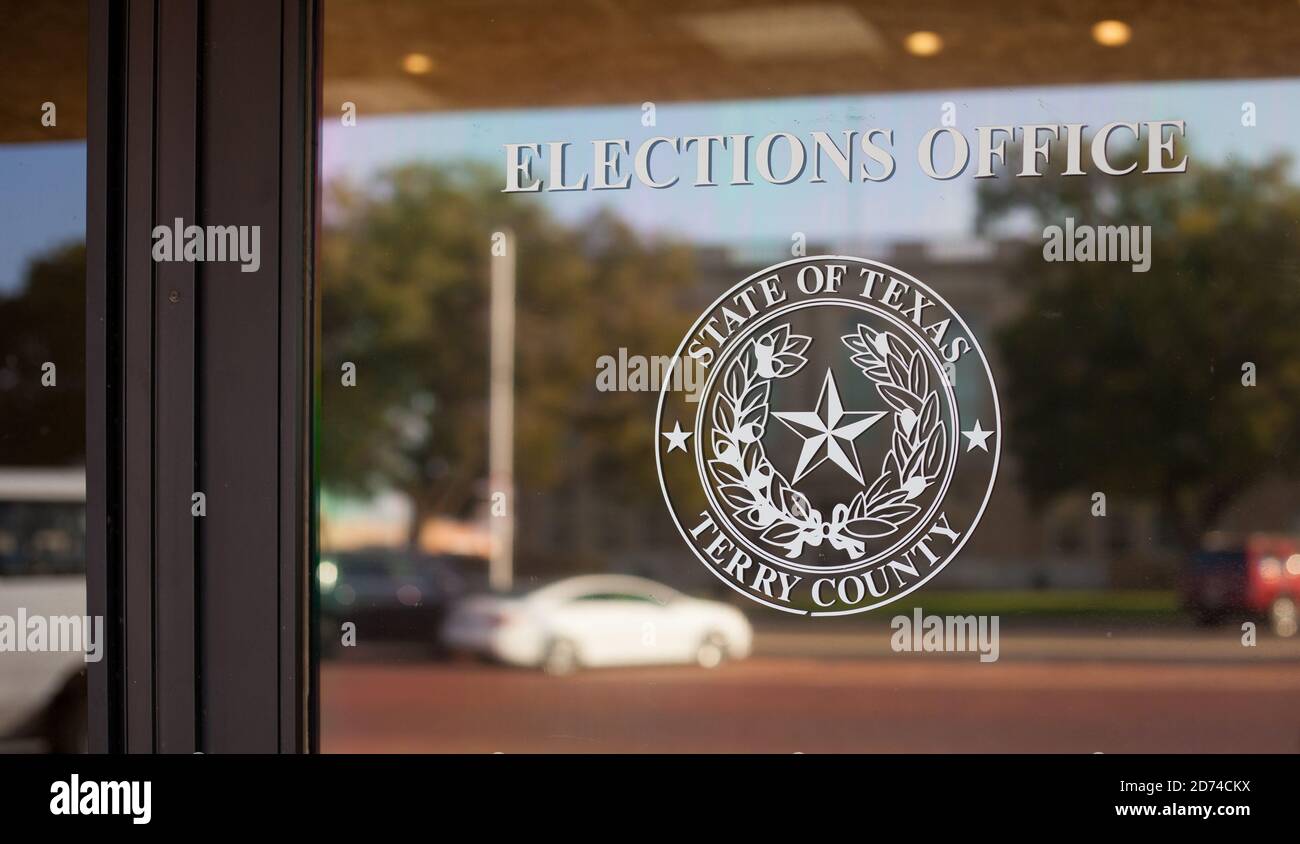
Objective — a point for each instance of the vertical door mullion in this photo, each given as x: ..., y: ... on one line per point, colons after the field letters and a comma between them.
x: 174, y: 363
x: 299, y: 154
x: 104, y: 215
x: 138, y: 339
x: 207, y: 115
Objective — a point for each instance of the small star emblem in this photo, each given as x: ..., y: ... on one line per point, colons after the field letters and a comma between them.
x: 977, y: 438
x: 677, y: 437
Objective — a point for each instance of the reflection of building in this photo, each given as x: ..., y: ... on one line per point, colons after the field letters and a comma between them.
x: 385, y: 522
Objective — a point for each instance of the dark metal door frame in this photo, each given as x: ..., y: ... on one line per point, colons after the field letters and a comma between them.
x: 199, y: 375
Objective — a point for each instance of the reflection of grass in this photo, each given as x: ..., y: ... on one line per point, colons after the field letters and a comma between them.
x: 1136, y: 605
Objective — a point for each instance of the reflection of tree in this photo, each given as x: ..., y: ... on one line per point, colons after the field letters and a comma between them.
x: 404, y: 273
x: 46, y: 321
x: 1131, y: 382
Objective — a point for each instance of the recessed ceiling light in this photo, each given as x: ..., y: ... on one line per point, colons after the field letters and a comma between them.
x: 778, y: 32
x: 417, y: 64
x: 923, y: 43
x: 1111, y: 33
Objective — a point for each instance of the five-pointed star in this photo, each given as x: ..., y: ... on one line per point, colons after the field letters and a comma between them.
x: 977, y: 438
x: 827, y: 431
x: 677, y: 437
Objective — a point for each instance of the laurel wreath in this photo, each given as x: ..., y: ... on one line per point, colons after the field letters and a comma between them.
x: 761, y: 498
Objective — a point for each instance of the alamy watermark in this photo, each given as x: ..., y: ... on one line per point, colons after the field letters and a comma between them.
x: 180, y: 242
x: 946, y: 634
x: 75, y: 796
x: 625, y: 373
x: 23, y: 633
x: 1131, y: 244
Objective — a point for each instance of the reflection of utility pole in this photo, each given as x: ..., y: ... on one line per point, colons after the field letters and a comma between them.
x: 501, y: 413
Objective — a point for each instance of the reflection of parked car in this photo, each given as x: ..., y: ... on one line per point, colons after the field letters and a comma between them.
x: 390, y: 595
x: 42, y: 572
x: 598, y: 620
x: 1259, y: 577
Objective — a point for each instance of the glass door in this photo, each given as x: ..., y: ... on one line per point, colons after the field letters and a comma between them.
x: 46, y: 636
x: 809, y: 377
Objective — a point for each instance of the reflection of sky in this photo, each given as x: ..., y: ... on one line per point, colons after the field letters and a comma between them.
x: 42, y: 199
x: 42, y: 203
x: 908, y: 206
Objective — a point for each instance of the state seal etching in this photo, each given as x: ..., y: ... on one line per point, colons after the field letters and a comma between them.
x: 844, y: 443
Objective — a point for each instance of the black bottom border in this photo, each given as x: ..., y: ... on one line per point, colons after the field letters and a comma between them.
x: 618, y: 794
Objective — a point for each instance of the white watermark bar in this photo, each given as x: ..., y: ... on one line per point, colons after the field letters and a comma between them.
x: 75, y: 796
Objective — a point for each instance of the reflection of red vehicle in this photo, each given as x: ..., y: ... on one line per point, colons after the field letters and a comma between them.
x: 1261, y: 578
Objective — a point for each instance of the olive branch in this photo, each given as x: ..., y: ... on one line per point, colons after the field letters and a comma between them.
x: 761, y: 497
x: 919, y: 443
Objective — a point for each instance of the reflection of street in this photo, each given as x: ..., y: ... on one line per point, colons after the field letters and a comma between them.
x: 1059, y: 692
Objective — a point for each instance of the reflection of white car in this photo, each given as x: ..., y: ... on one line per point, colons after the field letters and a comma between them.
x: 42, y: 573
x: 598, y: 620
